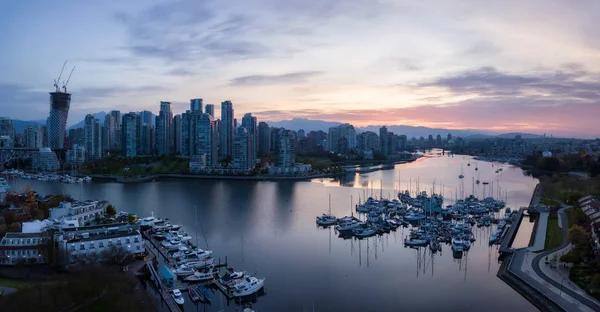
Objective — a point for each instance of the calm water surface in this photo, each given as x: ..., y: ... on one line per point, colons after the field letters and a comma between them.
x: 268, y: 228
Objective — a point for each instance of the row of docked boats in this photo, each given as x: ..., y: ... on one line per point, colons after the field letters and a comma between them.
x: 47, y: 177
x: 430, y: 223
x: 193, y: 264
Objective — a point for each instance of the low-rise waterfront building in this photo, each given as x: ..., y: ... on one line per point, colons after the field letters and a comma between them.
x: 24, y: 248
x: 99, y: 242
x: 82, y: 212
x: 45, y: 160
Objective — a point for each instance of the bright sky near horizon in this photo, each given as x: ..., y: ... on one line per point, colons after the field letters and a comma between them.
x: 531, y: 66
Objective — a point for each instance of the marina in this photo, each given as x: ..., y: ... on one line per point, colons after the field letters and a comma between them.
x: 269, y: 228
x: 189, y: 269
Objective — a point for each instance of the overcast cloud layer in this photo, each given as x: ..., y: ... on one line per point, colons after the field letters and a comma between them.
x: 502, y: 66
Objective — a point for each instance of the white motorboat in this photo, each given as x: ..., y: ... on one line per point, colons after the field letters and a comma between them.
x: 194, y: 253
x: 349, y: 226
x: 200, y: 263
x: 170, y: 243
x: 326, y: 220
x: 176, y: 294
x: 184, y: 270
x: 148, y: 221
x: 202, y: 275
x: 249, y: 286
x: 457, y: 244
x: 232, y: 278
x: 363, y: 232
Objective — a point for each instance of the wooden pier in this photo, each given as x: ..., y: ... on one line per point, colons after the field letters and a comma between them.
x: 512, y: 232
x: 164, y: 291
x: 223, y: 289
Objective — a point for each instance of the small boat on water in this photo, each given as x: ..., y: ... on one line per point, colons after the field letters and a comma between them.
x: 202, y: 275
x: 415, y: 242
x: 183, y: 270
x: 326, y: 220
x: 176, y: 294
x: 249, y: 286
x: 194, y: 295
x: 363, y: 232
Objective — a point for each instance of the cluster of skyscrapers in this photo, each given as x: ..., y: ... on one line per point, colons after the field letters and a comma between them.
x: 209, y: 142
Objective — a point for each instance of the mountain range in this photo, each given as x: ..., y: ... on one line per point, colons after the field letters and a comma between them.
x: 315, y: 125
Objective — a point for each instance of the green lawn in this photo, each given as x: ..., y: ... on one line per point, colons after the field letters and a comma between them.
x: 553, y: 232
x: 13, y: 283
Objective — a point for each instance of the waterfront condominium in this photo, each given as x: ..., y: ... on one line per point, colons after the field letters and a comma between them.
x: 164, y: 129
x: 205, y: 141
x: 57, y: 121
x: 93, y: 137
x: 242, y: 152
x: 249, y: 122
x: 117, y: 135
x: 131, y: 134
x: 264, y: 138
x: 227, y: 126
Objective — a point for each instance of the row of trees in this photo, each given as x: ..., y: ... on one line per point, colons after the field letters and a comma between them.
x: 572, y: 162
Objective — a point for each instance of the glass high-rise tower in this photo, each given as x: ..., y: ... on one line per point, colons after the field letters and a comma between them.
x: 57, y: 121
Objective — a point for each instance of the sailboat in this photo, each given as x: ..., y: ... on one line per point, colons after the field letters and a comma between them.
x: 461, y: 176
x: 327, y: 219
x: 477, y: 182
x: 476, y: 168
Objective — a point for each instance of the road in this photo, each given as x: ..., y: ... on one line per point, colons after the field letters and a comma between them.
x: 536, y: 265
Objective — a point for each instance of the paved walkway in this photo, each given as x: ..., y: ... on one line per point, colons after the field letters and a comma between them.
x: 540, y: 234
x: 7, y: 290
x: 554, y: 278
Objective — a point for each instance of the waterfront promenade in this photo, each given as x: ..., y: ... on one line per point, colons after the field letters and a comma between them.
x: 547, y: 278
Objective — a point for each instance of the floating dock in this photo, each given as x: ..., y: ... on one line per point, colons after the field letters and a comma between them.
x: 512, y: 232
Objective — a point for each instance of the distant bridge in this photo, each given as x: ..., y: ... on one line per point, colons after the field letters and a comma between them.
x: 8, y: 154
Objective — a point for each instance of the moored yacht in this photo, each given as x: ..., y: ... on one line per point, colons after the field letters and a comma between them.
x: 326, y: 220
x: 202, y: 275
x: 349, y: 226
x: 249, y: 286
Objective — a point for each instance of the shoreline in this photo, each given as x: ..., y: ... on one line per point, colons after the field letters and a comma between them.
x: 164, y: 176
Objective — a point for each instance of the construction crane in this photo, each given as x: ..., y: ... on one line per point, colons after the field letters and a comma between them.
x: 57, y: 80
x: 66, y: 83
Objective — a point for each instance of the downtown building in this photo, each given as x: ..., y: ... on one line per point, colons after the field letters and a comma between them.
x: 116, y: 134
x: 243, y: 160
x: 227, y: 129
x: 342, y: 139
x: 164, y: 129
x: 7, y: 132
x: 264, y: 139
x: 93, y: 138
x: 250, y: 123
x: 56, y: 124
x: 34, y: 137
x: 284, y: 152
x: 131, y: 135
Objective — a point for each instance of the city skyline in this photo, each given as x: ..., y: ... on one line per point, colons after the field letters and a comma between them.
x: 455, y: 66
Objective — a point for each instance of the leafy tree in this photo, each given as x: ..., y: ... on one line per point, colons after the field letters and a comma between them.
x: 131, y: 219
x: 578, y: 235
x: 110, y: 210
x: 571, y: 257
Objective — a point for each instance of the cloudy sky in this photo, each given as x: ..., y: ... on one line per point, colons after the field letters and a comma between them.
x: 497, y: 65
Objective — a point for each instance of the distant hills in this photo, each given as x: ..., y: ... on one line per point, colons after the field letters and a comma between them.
x: 410, y: 131
x: 80, y: 124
